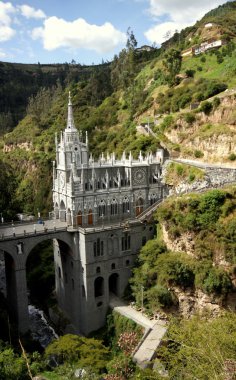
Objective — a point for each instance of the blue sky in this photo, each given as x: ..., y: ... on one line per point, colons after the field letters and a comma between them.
x: 88, y: 31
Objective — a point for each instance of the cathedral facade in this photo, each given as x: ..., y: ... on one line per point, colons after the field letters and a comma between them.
x: 101, y: 200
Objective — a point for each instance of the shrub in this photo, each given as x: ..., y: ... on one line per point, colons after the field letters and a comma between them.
x: 232, y: 157
x: 189, y: 117
x: 217, y: 281
x: 159, y: 296
x: 198, y: 153
x: 190, y: 73
x: 203, y: 59
x: 216, y: 102
x: 206, y: 107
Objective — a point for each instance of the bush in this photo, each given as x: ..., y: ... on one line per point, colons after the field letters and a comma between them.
x: 216, y: 102
x: 206, y: 107
x: 217, y: 281
x: 198, y: 153
x: 232, y: 157
x: 190, y: 73
x: 189, y: 117
x: 159, y: 296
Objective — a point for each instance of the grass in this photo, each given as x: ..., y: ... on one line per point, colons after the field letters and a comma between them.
x: 177, y: 173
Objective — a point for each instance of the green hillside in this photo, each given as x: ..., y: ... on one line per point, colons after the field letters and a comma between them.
x: 109, y: 101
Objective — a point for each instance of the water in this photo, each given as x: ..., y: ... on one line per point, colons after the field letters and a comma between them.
x: 41, y: 331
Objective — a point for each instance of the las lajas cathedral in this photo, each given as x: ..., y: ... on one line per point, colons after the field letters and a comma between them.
x: 102, y: 202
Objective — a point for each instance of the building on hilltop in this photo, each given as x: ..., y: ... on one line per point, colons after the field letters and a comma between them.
x: 101, y: 201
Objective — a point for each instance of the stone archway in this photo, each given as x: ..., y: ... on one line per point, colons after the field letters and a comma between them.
x: 15, y: 256
x: 98, y: 287
x: 114, y: 284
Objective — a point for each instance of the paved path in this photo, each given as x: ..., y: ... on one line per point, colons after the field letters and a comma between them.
x: 154, y: 331
x: 18, y: 229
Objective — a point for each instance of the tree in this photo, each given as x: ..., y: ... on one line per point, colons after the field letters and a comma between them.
x: 172, y: 62
x: 76, y: 349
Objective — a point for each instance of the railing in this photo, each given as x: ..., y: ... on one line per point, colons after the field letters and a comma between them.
x: 28, y: 233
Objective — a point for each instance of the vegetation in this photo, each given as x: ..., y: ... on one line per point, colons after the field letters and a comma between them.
x: 109, y: 101
x: 177, y: 173
x: 201, y: 348
x: 210, y: 219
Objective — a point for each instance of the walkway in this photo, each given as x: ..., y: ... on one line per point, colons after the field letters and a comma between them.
x: 9, y: 231
x: 154, y: 331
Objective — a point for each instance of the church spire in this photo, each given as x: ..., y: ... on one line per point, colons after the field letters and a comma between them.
x: 70, y: 118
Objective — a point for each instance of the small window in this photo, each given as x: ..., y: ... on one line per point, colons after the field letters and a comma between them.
x: 98, y: 270
x: 59, y: 272
x: 72, y: 284
x: 71, y: 264
x: 113, y: 266
x: 99, y: 304
x: 127, y: 263
x: 66, y: 280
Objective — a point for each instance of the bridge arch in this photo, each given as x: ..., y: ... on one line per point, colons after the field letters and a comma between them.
x: 16, y: 253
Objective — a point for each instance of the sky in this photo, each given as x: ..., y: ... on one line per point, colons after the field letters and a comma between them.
x: 89, y: 31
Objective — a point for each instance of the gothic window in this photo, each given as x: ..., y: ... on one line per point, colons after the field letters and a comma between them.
x: 126, y: 205
x: 102, y: 208
x: 114, y: 207
x: 90, y: 217
x: 79, y: 218
x: 125, y: 242
x: 153, y: 199
x: 139, y: 206
x: 98, y: 248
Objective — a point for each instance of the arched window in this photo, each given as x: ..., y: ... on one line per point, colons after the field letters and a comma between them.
x: 98, y: 270
x: 102, y: 208
x: 98, y: 287
x: 153, y: 199
x: 79, y: 218
x: 90, y: 217
x: 114, y: 207
x: 139, y: 206
x: 113, y: 266
x: 126, y: 205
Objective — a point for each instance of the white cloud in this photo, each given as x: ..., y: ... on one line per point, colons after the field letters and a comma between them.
x: 6, y: 31
x: 58, y: 33
x: 159, y: 32
x: 30, y: 12
x: 179, y: 13
x: 2, y: 54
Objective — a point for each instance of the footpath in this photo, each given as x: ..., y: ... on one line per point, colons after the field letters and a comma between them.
x: 154, y: 331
